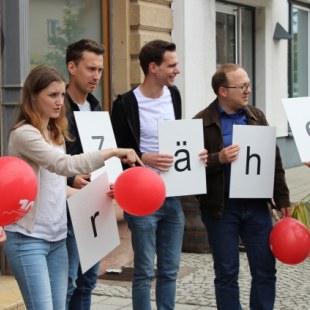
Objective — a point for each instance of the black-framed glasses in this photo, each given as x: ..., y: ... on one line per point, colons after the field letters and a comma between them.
x: 243, y: 88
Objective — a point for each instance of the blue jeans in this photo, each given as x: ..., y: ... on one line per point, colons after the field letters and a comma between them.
x: 250, y: 219
x: 41, y: 270
x: 80, y: 285
x: 161, y: 234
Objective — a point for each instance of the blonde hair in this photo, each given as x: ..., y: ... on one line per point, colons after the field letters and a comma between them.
x: 38, y: 79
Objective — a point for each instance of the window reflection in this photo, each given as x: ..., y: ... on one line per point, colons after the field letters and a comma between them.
x: 235, y: 44
x: 55, y: 24
x: 300, y: 52
x: 52, y: 30
x: 225, y: 38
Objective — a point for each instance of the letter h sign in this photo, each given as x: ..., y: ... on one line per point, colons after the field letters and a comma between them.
x: 252, y: 174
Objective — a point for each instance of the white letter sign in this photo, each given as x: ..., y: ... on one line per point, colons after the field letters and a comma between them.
x: 94, y: 221
x: 252, y: 174
x: 184, y: 140
x: 96, y: 133
x: 298, y: 114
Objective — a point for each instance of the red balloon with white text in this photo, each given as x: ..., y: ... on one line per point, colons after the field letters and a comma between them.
x: 18, y: 189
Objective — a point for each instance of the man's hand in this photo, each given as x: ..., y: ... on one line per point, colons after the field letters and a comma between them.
x: 159, y: 161
x: 203, y: 155
x: 71, y: 191
x: 110, y: 192
x: 81, y: 180
x: 286, y: 212
x: 229, y: 154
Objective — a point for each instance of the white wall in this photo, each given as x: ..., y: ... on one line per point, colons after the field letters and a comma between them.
x: 276, y: 65
x: 194, y: 34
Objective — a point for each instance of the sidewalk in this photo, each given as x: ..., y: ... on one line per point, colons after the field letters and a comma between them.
x: 195, y: 282
x: 195, y: 290
x: 195, y: 287
x: 298, y: 181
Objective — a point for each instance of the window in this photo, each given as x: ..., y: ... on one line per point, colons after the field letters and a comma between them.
x: 299, y: 76
x: 235, y: 38
x: 225, y: 38
x: 52, y: 26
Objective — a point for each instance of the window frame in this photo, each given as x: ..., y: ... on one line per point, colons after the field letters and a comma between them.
x: 306, y: 7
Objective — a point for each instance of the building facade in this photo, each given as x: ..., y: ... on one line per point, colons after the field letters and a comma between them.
x: 270, y: 38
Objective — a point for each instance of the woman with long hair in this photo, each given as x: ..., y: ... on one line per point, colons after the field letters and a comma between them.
x: 36, y: 244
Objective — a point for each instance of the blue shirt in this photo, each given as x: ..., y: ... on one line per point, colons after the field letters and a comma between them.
x: 227, y: 122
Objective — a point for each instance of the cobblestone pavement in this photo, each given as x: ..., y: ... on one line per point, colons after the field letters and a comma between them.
x: 195, y: 284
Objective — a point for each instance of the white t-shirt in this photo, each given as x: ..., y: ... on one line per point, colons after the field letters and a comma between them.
x: 150, y: 112
x: 51, y: 217
x: 85, y: 106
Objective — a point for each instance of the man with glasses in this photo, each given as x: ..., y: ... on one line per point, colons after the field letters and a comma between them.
x: 228, y: 219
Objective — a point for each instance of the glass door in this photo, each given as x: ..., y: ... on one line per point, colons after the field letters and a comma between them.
x: 53, y: 25
x: 235, y: 37
x: 300, y: 84
x: 226, y: 34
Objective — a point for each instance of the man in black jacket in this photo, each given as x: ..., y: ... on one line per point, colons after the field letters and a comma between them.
x: 84, y: 61
x: 135, y: 115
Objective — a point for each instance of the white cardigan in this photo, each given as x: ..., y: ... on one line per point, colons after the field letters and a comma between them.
x: 26, y: 142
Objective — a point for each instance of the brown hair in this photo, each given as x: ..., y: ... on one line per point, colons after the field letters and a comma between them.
x: 154, y: 51
x: 75, y: 50
x: 219, y: 78
x: 38, y: 79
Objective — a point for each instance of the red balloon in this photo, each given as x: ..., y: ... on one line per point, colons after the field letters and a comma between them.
x: 139, y: 191
x: 290, y: 241
x: 18, y: 189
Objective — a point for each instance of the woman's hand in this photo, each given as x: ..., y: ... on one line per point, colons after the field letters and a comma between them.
x: 129, y: 157
x: 2, y: 235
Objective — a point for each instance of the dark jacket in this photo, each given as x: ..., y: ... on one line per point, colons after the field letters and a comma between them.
x: 126, y: 122
x: 75, y: 147
x: 213, y: 201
